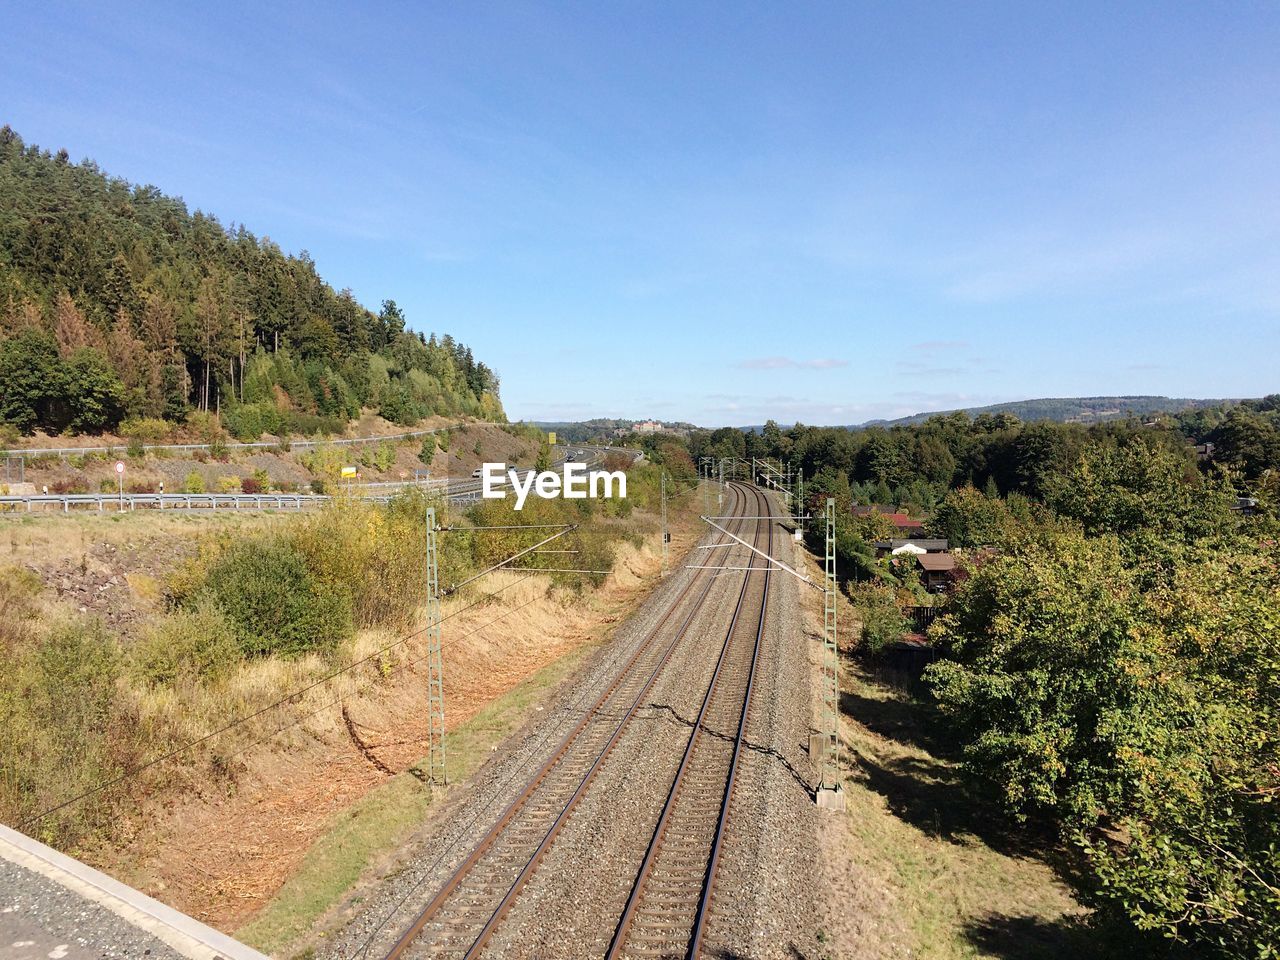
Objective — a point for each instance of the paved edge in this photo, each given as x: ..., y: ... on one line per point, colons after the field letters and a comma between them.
x: 188, y: 936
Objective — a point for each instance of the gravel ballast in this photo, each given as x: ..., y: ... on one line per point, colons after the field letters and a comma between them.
x: 570, y: 905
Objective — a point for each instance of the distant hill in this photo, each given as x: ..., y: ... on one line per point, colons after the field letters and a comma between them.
x: 1069, y: 409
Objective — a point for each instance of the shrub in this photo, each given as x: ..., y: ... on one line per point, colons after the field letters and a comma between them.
x: 372, y: 556
x: 883, y: 622
x: 59, y: 700
x: 190, y: 645
x: 228, y: 484
x: 250, y: 421
x: 147, y: 430
x: 193, y: 483
x: 260, y: 482
x: 269, y: 596
x: 428, y: 451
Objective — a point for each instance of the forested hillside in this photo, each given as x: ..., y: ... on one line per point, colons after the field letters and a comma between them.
x: 1071, y: 409
x: 118, y: 303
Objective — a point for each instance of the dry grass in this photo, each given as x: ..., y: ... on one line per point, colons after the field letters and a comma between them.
x: 44, y: 540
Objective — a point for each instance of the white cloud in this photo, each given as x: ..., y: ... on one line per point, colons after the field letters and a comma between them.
x: 786, y: 363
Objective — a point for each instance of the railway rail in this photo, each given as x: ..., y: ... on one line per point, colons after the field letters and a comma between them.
x: 467, y: 910
x: 667, y: 909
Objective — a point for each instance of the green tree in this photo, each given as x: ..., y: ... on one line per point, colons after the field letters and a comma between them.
x: 1248, y: 443
x: 1140, y: 488
x: 967, y: 518
x: 1142, y: 722
x: 95, y: 397
x: 31, y: 382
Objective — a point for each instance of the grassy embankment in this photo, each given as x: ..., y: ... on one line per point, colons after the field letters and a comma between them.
x: 223, y: 468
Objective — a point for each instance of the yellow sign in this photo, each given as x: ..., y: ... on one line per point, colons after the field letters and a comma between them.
x: 348, y: 472
x: 551, y: 437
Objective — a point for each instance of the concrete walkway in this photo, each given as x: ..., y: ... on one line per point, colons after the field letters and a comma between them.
x: 55, y: 907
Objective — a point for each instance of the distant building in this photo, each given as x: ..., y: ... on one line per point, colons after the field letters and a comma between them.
x: 648, y: 426
x: 900, y: 520
x: 920, y: 544
x: 905, y: 524
x: 937, y: 570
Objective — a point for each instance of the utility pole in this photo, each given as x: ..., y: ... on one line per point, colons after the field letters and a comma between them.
x: 665, y: 535
x: 800, y: 504
x: 720, y: 494
x: 829, y: 793
x: 436, y: 771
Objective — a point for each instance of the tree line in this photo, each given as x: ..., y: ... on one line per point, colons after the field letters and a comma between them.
x: 117, y: 302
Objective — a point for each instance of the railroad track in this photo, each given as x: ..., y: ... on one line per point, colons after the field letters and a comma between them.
x: 463, y: 915
x: 670, y: 900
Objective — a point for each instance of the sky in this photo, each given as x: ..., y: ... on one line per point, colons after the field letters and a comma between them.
x: 725, y: 212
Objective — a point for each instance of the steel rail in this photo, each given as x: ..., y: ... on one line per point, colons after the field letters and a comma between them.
x: 434, y: 908
x: 677, y: 792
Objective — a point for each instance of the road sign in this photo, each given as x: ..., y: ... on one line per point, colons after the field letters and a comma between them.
x: 119, y: 466
x: 551, y: 437
x: 348, y: 473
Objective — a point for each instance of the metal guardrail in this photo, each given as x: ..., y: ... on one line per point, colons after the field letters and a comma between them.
x: 161, y: 501
x: 456, y: 490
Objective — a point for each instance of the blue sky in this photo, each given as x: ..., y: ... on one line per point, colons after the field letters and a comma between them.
x: 725, y: 212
